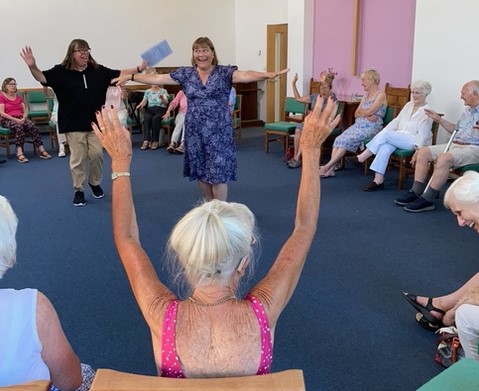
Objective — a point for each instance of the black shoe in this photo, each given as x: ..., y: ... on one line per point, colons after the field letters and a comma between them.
x: 407, y: 198
x: 97, y: 191
x: 3, y: 161
x: 420, y: 205
x: 354, y: 161
x: 79, y: 199
x: 373, y: 186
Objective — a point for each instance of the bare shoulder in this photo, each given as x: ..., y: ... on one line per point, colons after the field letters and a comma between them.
x: 45, y: 309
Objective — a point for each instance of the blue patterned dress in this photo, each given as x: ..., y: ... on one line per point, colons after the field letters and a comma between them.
x: 352, y: 138
x: 210, y: 149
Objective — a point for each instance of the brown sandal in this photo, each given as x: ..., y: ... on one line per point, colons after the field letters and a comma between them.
x: 22, y: 158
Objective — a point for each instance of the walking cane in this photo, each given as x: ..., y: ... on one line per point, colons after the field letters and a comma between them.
x: 448, y: 145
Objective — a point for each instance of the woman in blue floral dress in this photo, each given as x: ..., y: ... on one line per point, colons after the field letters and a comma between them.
x: 369, y: 121
x: 210, y: 150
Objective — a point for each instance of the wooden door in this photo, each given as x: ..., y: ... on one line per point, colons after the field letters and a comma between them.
x: 277, y: 59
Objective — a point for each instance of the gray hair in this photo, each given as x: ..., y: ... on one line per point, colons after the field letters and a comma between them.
x: 8, y: 243
x: 464, y: 189
x: 423, y: 86
x: 208, y: 243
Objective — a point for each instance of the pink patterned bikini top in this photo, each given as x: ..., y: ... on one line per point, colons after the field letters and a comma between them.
x: 170, y: 363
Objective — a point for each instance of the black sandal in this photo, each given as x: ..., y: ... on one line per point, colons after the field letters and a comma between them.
x: 424, y: 310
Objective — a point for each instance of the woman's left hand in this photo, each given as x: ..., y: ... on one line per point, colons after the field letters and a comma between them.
x: 120, y: 80
x: 114, y: 138
x: 274, y: 75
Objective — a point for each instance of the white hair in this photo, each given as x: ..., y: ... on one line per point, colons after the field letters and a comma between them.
x: 206, y: 246
x: 423, y: 86
x: 464, y: 189
x: 8, y: 243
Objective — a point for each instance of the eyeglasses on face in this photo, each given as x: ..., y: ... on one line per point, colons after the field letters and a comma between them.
x: 83, y: 50
x: 12, y: 84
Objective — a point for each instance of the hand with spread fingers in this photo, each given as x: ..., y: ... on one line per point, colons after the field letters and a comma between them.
x: 114, y: 138
x: 319, y: 124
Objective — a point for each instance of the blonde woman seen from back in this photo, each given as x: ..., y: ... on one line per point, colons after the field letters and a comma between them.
x: 214, y: 332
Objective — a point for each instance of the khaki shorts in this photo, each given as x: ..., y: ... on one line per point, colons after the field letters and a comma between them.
x: 462, y: 154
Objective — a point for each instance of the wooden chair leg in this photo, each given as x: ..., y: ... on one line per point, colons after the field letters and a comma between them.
x: 402, y: 173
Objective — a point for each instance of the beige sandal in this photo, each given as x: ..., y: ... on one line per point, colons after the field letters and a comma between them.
x: 22, y: 158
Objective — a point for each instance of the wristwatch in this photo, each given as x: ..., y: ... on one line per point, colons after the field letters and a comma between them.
x: 115, y: 174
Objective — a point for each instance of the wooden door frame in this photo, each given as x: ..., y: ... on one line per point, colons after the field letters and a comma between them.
x: 275, y: 99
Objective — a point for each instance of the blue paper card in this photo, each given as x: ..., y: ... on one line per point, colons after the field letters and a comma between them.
x: 156, y: 53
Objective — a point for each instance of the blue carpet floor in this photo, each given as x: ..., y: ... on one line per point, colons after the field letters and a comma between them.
x: 347, y: 325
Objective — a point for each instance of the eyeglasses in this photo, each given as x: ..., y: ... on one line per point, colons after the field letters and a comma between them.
x: 82, y: 51
x: 416, y: 92
x: 12, y: 84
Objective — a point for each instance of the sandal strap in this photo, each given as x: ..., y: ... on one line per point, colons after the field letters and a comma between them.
x: 430, y: 307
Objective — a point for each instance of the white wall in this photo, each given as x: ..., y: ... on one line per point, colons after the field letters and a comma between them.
x: 117, y: 31
x: 252, y: 17
x: 300, y: 43
x: 445, y: 52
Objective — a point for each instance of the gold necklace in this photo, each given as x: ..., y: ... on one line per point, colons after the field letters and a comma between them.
x: 221, y: 301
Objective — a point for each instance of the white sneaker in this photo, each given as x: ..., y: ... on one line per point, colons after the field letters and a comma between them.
x: 61, y: 152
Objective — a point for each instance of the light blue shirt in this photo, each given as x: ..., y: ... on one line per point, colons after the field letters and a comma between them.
x: 466, y: 132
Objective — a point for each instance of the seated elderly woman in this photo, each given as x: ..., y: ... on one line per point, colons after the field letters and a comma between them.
x: 13, y: 116
x: 369, y: 121
x: 462, y: 305
x: 411, y: 129
x: 325, y: 91
x: 33, y: 344
x: 214, y: 332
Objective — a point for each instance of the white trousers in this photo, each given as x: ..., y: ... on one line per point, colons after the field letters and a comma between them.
x: 467, y: 324
x: 384, y: 144
x: 179, y: 131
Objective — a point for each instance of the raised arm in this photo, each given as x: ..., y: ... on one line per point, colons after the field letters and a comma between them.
x: 277, y: 287
x: 250, y: 76
x: 149, y: 292
x: 150, y: 78
x: 131, y: 71
x: 297, y: 96
x: 29, y: 58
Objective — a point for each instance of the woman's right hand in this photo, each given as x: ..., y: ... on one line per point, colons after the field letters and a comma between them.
x: 114, y: 138
x: 295, y: 78
x: 319, y: 124
x: 27, y: 55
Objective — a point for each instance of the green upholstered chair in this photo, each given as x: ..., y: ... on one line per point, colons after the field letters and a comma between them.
x: 294, y: 113
x: 7, y: 138
x: 463, y: 376
x: 401, y: 158
x: 468, y: 167
x: 391, y: 113
x: 52, y: 126
x: 37, y: 105
x: 236, y: 118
